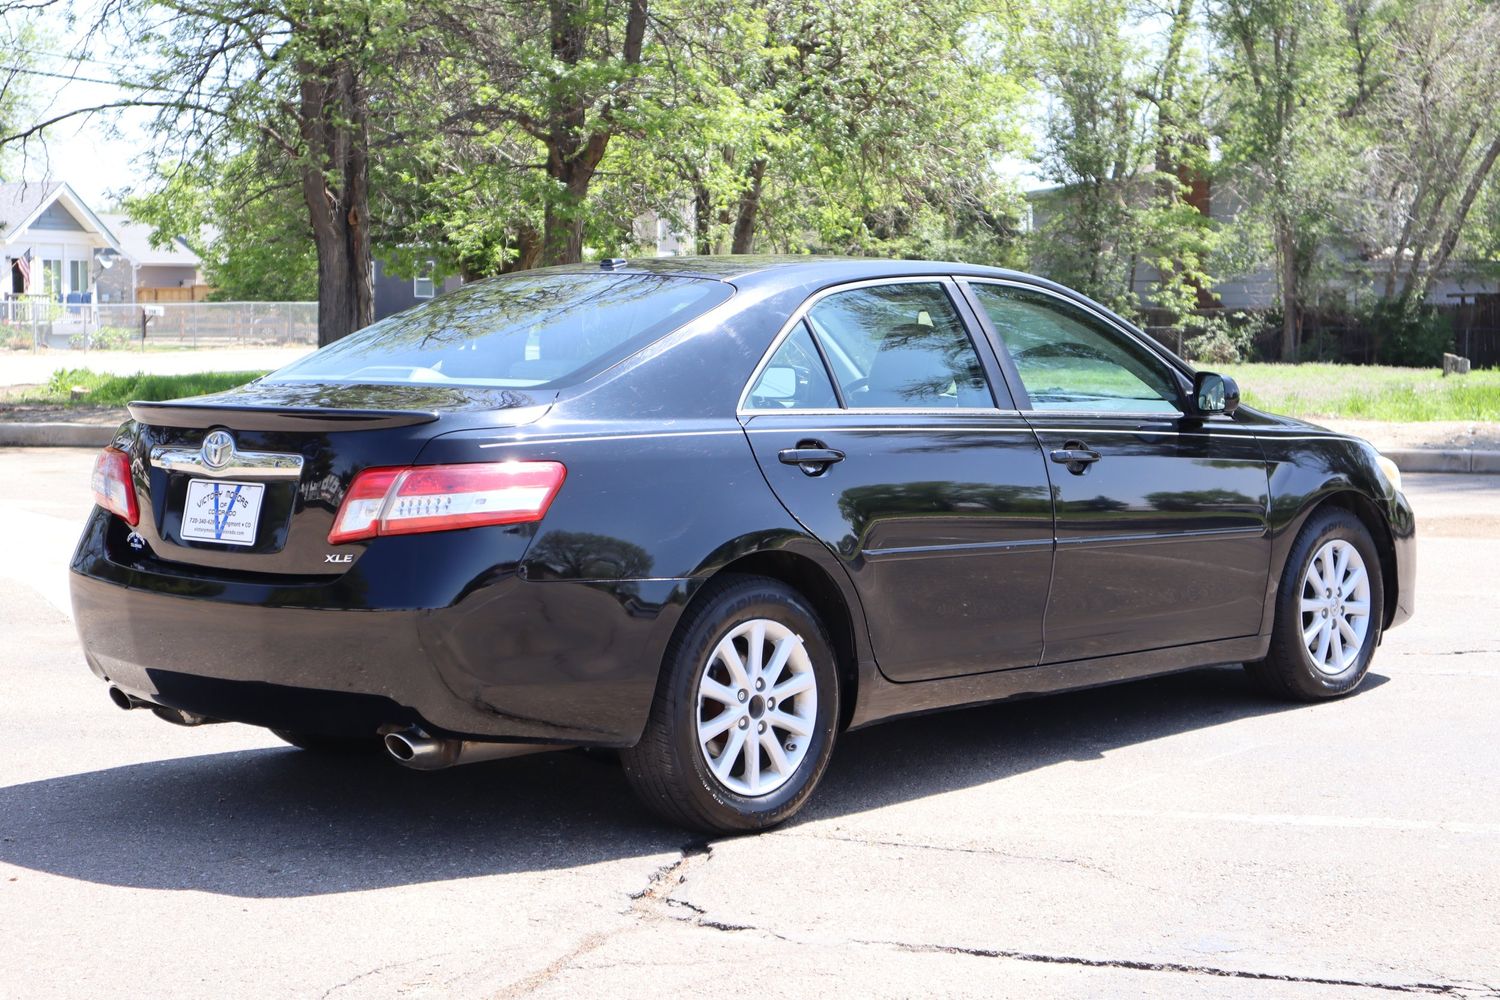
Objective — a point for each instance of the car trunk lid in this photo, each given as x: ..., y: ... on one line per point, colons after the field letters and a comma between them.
x: 251, y: 480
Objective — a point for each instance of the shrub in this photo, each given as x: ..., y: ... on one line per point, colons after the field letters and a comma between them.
x: 1409, y: 334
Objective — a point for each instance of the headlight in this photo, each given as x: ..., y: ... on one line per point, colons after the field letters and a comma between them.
x: 1392, y: 474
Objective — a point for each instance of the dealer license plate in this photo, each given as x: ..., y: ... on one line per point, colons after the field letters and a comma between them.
x: 221, y: 511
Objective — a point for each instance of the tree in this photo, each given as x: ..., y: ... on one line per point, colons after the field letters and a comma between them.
x: 1428, y: 111
x: 290, y: 79
x: 864, y: 125
x: 1284, y: 130
x: 532, y: 94
x: 1122, y: 142
x: 246, y: 223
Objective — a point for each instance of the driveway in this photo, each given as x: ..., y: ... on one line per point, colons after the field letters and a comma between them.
x: 1174, y: 837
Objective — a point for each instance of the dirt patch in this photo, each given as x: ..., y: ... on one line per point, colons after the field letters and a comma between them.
x: 1429, y: 435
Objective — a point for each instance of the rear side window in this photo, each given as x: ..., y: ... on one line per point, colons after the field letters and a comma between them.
x: 899, y: 346
x: 519, y: 331
x: 794, y: 378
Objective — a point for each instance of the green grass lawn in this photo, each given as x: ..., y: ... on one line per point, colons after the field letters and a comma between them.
x: 117, y: 390
x: 1369, y: 392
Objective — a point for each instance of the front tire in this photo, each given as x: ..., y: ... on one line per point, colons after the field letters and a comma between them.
x: 1330, y: 607
x: 746, y: 711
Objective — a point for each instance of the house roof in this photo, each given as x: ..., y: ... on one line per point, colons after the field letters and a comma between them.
x: 135, y: 243
x: 21, y: 202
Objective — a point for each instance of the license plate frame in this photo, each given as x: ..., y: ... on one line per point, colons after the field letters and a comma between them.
x: 222, y: 511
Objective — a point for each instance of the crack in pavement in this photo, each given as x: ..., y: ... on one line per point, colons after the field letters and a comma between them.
x: 983, y: 851
x: 1431, y: 989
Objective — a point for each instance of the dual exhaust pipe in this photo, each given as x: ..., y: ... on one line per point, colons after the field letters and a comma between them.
x: 411, y: 747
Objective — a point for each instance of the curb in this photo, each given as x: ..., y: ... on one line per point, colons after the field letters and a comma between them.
x: 1453, y: 460
x: 55, y: 435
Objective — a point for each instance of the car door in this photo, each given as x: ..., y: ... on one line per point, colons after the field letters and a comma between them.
x: 911, y: 465
x: 1161, y: 516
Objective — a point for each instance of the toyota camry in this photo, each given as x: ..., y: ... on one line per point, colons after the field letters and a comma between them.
x: 713, y: 513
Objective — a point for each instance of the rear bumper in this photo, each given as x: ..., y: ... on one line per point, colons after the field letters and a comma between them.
x: 567, y: 663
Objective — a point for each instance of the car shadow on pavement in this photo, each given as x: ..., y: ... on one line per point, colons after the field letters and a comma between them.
x: 277, y: 823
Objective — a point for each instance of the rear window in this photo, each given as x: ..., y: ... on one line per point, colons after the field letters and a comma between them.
x: 519, y: 331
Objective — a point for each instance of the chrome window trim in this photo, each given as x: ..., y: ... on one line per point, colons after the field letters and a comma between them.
x: 798, y: 314
x: 243, y: 464
x: 1152, y: 348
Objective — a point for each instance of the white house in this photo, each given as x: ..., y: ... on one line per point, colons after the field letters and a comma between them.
x: 56, y: 247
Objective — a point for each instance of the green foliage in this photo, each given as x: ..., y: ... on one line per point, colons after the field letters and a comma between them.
x: 105, y: 389
x: 105, y: 338
x: 1220, y: 340
x: 1408, y: 333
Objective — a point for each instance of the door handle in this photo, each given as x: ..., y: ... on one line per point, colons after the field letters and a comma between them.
x: 1077, y: 456
x: 811, y: 457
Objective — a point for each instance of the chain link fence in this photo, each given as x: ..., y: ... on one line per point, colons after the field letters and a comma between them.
x: 35, y: 321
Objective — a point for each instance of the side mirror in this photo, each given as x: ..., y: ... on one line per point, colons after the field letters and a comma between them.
x: 1213, y: 393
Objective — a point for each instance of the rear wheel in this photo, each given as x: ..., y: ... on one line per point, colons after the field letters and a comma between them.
x: 328, y: 744
x: 745, y: 713
x: 1329, y: 610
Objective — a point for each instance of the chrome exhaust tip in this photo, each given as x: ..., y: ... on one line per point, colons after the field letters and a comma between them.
x: 413, y: 748
x: 124, y: 701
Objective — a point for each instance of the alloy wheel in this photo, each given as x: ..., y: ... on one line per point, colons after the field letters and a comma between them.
x: 1335, y: 606
x: 757, y: 707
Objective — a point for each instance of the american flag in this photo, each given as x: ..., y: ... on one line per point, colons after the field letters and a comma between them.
x: 23, y: 264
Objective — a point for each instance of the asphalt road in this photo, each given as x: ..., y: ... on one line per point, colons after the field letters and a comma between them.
x: 1175, y: 837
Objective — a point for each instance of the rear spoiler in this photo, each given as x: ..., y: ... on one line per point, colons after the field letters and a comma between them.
x: 273, y: 418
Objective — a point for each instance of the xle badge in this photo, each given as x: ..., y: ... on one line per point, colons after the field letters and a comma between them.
x: 339, y: 557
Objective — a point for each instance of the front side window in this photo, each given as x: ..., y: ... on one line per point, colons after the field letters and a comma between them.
x: 517, y: 331
x: 78, y: 275
x: 1068, y: 359
x: 899, y: 346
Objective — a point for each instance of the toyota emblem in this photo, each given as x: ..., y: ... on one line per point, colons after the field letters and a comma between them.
x: 217, y: 449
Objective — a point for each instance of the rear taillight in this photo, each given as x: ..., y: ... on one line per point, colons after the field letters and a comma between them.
x: 113, y: 488
x: 442, y: 497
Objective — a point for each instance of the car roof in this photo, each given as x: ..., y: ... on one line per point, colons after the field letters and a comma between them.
x: 789, y: 269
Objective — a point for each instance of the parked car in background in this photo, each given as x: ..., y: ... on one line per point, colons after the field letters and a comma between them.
x: 714, y: 512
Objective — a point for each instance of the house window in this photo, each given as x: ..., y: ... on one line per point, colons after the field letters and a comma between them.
x: 78, y: 275
x: 47, y: 280
x: 422, y: 284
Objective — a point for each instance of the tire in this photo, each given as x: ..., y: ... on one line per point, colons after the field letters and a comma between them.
x: 711, y: 785
x: 1310, y: 670
x: 328, y: 745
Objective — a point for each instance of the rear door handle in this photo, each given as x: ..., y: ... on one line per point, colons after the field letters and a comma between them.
x: 1076, y: 456
x: 811, y: 460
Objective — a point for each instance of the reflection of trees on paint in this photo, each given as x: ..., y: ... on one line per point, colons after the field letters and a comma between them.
x: 862, y: 504
x: 1197, y: 500
x: 584, y: 555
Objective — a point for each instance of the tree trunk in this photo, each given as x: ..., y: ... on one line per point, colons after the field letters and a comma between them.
x: 744, y: 220
x: 336, y: 188
x: 574, y: 145
x: 703, y: 206
x: 1286, y: 251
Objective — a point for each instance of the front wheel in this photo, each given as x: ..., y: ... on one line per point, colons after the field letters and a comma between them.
x: 1329, y: 610
x: 745, y: 713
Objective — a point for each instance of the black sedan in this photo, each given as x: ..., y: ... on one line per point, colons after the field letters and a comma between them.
x: 714, y: 512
